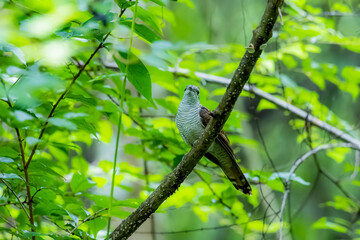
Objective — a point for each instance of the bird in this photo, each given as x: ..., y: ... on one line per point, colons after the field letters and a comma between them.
x: 191, y: 120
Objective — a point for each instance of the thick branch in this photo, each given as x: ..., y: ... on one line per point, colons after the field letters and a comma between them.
x: 280, y: 103
x: 172, y: 182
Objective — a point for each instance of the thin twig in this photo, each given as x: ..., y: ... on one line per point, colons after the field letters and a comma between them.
x: 8, y: 222
x: 62, y: 97
x: 89, y: 218
x: 299, y: 161
x: 38, y: 190
x: 221, y: 201
x: 17, y: 197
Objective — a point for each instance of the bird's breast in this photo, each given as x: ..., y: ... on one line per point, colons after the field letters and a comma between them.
x: 189, y: 123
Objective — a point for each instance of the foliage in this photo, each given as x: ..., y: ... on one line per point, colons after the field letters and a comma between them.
x: 59, y: 118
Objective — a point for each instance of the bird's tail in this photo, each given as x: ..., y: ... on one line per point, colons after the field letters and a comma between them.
x: 237, y: 178
x: 233, y: 173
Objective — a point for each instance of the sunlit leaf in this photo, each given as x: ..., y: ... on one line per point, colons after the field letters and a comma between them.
x: 148, y: 18
x: 137, y: 73
x: 324, y: 223
x: 6, y: 160
x: 143, y: 31
x: 8, y: 152
x: 59, y: 122
x: 80, y: 183
x: 7, y: 47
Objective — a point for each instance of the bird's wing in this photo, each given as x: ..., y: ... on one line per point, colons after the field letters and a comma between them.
x: 233, y: 172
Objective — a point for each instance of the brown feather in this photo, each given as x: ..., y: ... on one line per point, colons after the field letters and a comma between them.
x: 234, y: 172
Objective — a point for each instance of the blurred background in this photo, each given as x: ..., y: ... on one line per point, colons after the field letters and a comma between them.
x: 311, y: 61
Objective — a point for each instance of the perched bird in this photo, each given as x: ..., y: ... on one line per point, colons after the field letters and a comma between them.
x: 191, y: 120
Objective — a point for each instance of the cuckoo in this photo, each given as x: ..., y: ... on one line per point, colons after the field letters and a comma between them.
x: 191, y: 120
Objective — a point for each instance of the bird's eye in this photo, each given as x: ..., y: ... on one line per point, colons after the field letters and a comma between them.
x: 185, y: 89
x: 197, y: 91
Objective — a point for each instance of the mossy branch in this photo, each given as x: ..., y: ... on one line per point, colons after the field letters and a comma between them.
x: 172, y: 181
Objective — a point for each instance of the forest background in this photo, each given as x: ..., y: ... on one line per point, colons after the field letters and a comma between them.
x: 73, y: 99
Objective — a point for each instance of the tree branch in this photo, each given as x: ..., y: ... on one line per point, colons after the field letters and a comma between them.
x: 260, y: 93
x: 280, y: 103
x: 172, y: 182
x: 82, y: 68
x: 62, y: 97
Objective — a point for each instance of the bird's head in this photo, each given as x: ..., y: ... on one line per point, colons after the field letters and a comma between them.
x: 191, y: 94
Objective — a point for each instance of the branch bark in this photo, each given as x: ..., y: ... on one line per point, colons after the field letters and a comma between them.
x: 172, y: 182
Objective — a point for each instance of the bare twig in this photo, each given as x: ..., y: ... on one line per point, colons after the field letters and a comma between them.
x: 298, y: 162
x: 221, y: 201
x: 171, y: 182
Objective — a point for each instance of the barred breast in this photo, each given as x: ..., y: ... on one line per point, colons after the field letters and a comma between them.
x: 189, y: 123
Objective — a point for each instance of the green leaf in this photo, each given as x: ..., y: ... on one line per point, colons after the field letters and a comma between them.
x: 323, y: 223
x: 33, y: 234
x: 6, y: 160
x: 80, y: 164
x: 338, y: 154
x: 32, y: 141
x: 264, y: 104
x: 148, y: 18
x: 124, y: 3
x: 59, y: 122
x: 206, y: 176
x: 87, y: 100
x: 177, y: 160
x: 7, y: 47
x: 344, y: 204
x: 103, y: 201
x: 9, y: 176
x: 276, y: 184
x: 285, y: 175
x: 143, y: 31
x: 159, y: 2
x: 22, y: 116
x: 48, y: 208
x: 105, y: 130
x: 96, y: 225
x: 137, y: 73
x: 8, y: 152
x: 80, y: 183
